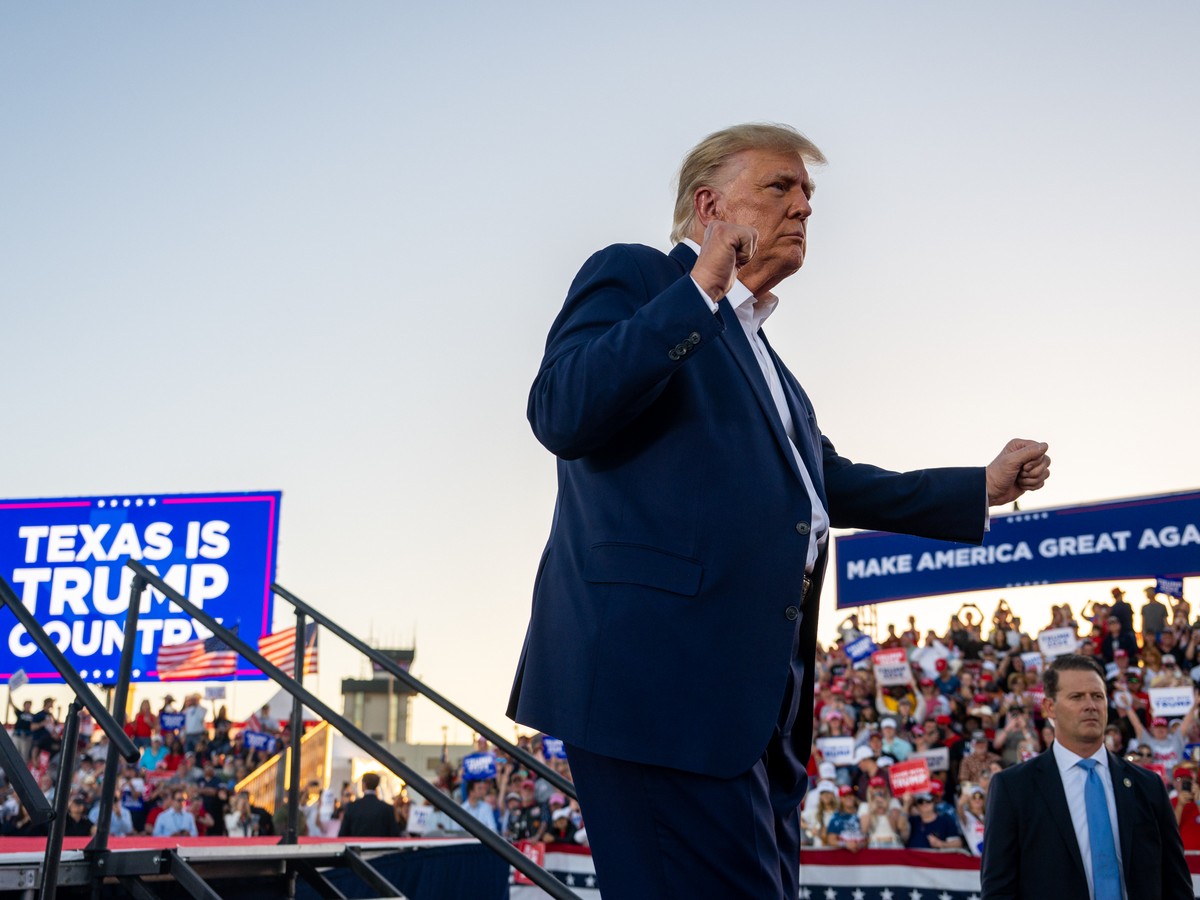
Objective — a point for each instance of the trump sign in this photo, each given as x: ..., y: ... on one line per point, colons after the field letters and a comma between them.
x: 65, y: 560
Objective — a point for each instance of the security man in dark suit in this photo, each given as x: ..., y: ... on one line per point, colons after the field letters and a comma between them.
x: 1065, y: 824
x: 369, y: 816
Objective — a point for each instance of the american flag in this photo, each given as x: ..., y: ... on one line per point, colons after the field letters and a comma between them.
x: 280, y: 648
x: 204, y: 658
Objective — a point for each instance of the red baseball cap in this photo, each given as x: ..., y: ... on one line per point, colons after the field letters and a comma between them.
x: 844, y: 790
x: 940, y: 665
x: 1158, y: 720
x: 877, y: 781
x: 1181, y: 772
x: 936, y: 786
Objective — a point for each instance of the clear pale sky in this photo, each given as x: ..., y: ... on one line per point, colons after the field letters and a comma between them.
x: 317, y: 247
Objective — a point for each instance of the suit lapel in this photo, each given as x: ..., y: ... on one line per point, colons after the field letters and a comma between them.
x: 1123, y: 794
x: 808, y: 439
x: 735, y: 339
x: 1050, y: 787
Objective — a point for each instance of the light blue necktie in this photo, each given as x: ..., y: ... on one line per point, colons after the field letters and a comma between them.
x: 1106, y: 874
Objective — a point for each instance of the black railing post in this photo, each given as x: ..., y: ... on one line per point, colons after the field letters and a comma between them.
x: 293, y: 819
x: 58, y: 828
x: 99, y: 842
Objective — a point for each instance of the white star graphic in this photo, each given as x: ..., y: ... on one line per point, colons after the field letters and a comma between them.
x: 914, y: 894
x: 830, y: 894
x: 858, y: 894
x: 886, y: 894
x: 943, y: 896
x: 973, y: 897
x: 590, y: 881
x: 805, y: 894
x: 570, y: 880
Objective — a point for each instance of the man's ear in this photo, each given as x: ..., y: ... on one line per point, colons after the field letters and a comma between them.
x: 705, y: 203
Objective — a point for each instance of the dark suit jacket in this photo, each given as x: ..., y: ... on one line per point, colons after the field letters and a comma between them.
x: 667, y: 600
x: 1029, y: 845
x: 368, y: 816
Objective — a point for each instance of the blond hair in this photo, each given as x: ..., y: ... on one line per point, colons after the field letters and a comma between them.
x: 703, y: 164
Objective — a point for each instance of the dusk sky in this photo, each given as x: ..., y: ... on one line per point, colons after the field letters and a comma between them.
x: 317, y: 247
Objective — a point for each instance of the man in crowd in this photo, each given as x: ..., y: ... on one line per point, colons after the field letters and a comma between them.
x: 1117, y: 638
x: 893, y: 745
x: 1079, y: 797
x: 695, y: 498
x: 368, y: 816
x: 121, y: 823
x: 477, y: 803
x: 176, y: 820
x: 22, y: 733
x: 926, y: 828
x: 981, y: 759
x: 44, y: 729
x: 194, y: 717
x: 77, y: 824
x: 1154, y: 616
x: 529, y: 823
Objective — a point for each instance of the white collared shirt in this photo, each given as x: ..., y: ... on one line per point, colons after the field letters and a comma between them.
x: 752, y: 312
x: 1073, y: 780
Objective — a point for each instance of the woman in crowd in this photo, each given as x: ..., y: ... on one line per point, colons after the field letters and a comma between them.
x: 844, y: 828
x: 239, y: 821
x: 143, y: 725
x: 816, y: 818
x: 971, y: 803
x: 175, y: 756
x: 880, y: 817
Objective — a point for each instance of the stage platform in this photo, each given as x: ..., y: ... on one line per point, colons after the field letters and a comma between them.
x: 262, y: 867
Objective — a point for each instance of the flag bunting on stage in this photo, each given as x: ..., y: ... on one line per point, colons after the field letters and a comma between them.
x: 207, y: 658
x: 280, y: 648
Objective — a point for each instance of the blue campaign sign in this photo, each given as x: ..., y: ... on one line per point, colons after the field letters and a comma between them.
x: 258, y: 740
x: 168, y: 722
x: 861, y: 648
x: 65, y: 559
x: 479, y: 766
x: 1139, y: 537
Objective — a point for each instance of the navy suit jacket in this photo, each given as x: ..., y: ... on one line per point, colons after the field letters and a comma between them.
x: 668, y: 605
x: 1029, y: 844
x: 368, y: 816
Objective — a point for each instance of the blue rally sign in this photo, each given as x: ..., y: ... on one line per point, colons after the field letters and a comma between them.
x: 1140, y: 537
x: 66, y: 559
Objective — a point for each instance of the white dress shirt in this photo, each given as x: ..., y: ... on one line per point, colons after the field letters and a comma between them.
x: 752, y: 312
x: 1073, y: 779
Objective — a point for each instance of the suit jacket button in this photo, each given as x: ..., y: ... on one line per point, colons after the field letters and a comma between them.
x: 673, y: 353
x: 792, y: 613
x: 802, y: 527
x: 694, y: 338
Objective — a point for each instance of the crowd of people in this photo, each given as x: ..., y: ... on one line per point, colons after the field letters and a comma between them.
x: 182, y: 784
x: 973, y: 706
x: 970, y: 707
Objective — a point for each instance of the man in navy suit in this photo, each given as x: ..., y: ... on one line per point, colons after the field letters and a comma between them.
x: 674, y: 621
x: 1065, y: 824
x: 368, y: 816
